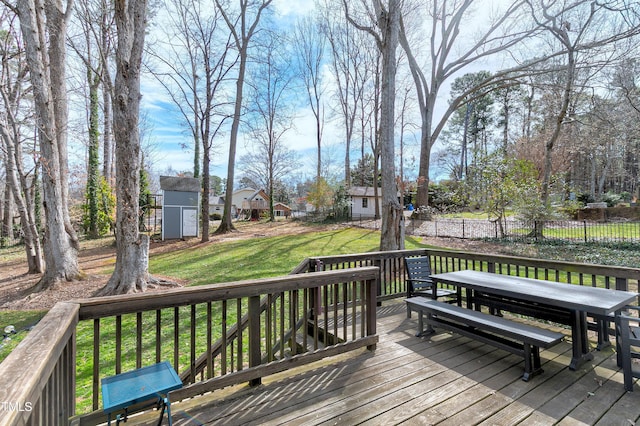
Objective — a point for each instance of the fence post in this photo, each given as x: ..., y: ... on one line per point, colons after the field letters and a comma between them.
x: 584, y: 227
x: 463, y: 229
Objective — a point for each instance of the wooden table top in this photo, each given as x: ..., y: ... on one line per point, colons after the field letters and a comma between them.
x: 593, y: 300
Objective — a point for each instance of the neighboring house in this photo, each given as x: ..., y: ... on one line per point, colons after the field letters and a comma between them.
x: 216, y: 205
x: 363, y: 202
x: 281, y: 210
x: 246, y: 203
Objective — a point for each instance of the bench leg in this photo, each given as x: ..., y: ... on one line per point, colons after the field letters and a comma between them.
x: 421, y: 330
x: 532, y: 365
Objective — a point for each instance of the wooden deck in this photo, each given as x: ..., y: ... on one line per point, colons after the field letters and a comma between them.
x: 444, y: 380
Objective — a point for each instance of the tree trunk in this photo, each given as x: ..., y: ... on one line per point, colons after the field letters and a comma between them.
x: 392, y: 235
x: 20, y: 191
x: 206, y: 186
x: 7, y: 208
x: 241, y: 40
x: 131, y: 272
x: 48, y: 78
x: 226, y: 225
x: 107, y: 148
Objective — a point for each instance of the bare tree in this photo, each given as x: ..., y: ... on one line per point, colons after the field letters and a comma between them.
x: 581, y: 29
x: 349, y: 71
x: 44, y: 39
x: 242, y: 29
x: 270, y: 117
x: 196, y: 80
x: 383, y: 25
x: 309, y: 46
x: 13, y: 86
x: 448, y: 56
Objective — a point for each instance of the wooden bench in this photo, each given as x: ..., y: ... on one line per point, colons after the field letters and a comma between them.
x: 520, y: 339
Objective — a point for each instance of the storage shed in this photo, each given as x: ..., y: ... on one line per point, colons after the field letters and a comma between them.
x: 180, y: 207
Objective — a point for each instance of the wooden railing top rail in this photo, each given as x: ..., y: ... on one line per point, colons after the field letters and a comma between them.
x: 99, y: 307
x: 606, y: 270
x: 301, y: 268
x: 24, y: 373
x: 584, y: 268
x: 368, y: 255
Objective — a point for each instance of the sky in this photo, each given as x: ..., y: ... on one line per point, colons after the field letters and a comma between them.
x: 172, y: 147
x: 173, y: 150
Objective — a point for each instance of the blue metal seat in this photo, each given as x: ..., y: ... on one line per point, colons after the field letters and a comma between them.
x: 144, y: 384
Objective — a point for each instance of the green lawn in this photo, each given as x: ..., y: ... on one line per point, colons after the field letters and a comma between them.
x: 22, y: 321
x: 259, y: 257
x: 262, y: 257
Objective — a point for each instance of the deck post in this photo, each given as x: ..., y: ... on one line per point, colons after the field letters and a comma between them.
x: 371, y: 289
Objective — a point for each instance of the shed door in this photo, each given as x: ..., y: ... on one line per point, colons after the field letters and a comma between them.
x: 171, y: 223
x: 189, y: 222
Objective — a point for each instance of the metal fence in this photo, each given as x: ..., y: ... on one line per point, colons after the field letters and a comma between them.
x: 515, y: 230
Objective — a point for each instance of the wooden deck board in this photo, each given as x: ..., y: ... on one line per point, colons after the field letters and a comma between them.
x: 444, y: 379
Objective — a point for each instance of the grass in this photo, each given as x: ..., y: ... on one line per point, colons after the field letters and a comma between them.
x: 22, y: 321
x: 259, y: 257
x: 262, y: 257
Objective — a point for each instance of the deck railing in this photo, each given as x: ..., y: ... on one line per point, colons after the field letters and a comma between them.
x: 252, y: 329
x: 393, y: 278
x: 230, y: 333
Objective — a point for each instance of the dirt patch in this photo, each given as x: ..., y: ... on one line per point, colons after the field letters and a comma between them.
x: 97, y: 257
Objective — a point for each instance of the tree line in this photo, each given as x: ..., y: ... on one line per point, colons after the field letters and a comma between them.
x: 553, y: 110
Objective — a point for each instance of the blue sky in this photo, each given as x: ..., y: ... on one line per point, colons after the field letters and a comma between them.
x: 170, y: 137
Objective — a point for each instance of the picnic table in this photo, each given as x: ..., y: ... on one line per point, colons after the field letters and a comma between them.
x: 541, y: 296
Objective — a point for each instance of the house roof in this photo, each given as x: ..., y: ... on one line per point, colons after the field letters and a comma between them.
x: 183, y: 184
x: 363, y: 191
x: 283, y: 205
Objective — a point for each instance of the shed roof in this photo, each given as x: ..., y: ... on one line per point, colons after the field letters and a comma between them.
x: 184, y: 184
x: 363, y: 191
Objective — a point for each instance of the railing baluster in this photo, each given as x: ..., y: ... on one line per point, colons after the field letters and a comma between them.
x: 158, y: 335
x: 240, y: 330
x: 225, y: 340
x: 335, y: 301
x: 305, y: 319
x: 118, y: 344
x: 192, y: 346
x: 96, y: 362
x: 269, y: 331
x: 138, y: 339
x: 176, y: 338
x: 354, y: 309
x: 209, y: 341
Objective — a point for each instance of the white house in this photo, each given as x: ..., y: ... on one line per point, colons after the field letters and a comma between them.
x: 362, y: 200
x: 246, y: 203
